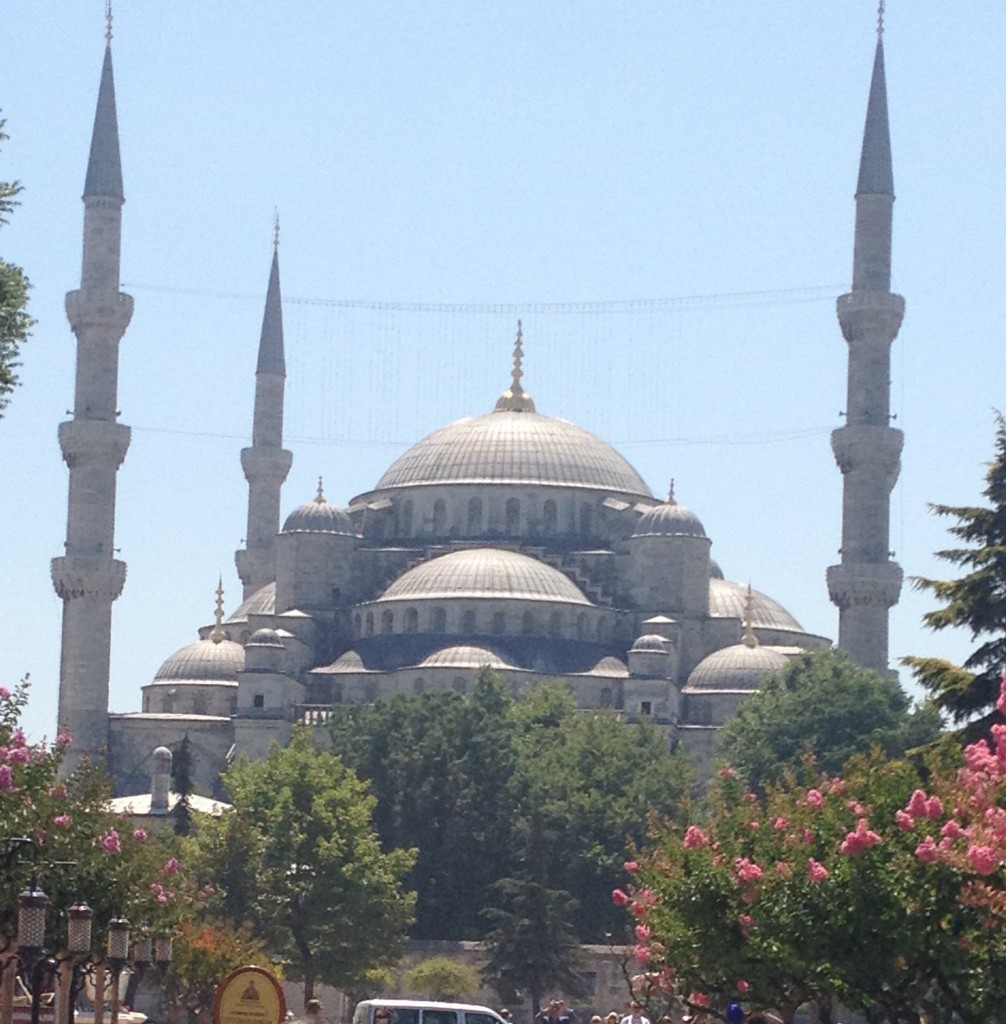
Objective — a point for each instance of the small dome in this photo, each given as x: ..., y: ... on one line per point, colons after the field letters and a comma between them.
x: 463, y: 657
x: 262, y: 602
x: 347, y: 663
x: 204, y: 661
x: 265, y: 638
x: 715, y: 572
x: 727, y: 600
x: 669, y: 520
x: 610, y: 667
x: 649, y: 643
x: 739, y: 667
x: 319, y: 516
x: 484, y: 572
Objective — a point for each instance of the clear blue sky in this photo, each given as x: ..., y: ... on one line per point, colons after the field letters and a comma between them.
x: 520, y: 153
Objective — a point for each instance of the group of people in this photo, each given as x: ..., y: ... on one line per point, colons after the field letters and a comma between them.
x: 559, y: 1012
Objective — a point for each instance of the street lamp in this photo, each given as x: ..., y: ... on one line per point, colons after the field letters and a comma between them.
x: 31, y: 906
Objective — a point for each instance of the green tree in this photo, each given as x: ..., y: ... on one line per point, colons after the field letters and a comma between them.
x: 444, y: 979
x: 181, y: 783
x: 976, y: 601
x: 15, y: 324
x: 316, y: 886
x: 825, y: 704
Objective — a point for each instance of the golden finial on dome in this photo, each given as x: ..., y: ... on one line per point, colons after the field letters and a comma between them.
x: 749, y: 639
x: 217, y: 632
x: 516, y: 399
x: 320, y: 496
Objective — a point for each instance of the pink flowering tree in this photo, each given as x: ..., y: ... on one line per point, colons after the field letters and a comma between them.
x: 871, y: 891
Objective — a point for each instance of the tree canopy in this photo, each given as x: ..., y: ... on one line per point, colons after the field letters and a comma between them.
x: 15, y: 323
x: 975, y: 601
x: 824, y: 703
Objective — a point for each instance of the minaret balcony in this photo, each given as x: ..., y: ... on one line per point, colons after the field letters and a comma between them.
x: 93, y: 442
x: 870, y: 316
x: 88, y: 576
x: 109, y: 311
x: 867, y: 448
x: 877, y: 583
x: 266, y: 465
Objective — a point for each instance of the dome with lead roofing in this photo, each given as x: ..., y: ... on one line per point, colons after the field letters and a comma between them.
x: 484, y: 573
x: 650, y: 643
x: 463, y: 656
x: 727, y: 599
x: 738, y: 667
x: 262, y: 602
x: 319, y: 516
x: 204, y: 661
x: 669, y: 519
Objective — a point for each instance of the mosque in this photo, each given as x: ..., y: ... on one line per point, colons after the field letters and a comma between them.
x: 509, y: 538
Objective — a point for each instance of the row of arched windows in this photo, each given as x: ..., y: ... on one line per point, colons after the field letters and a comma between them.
x: 528, y: 623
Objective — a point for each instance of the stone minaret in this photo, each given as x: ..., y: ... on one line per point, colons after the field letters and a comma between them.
x: 88, y: 577
x: 867, y: 583
x: 266, y: 463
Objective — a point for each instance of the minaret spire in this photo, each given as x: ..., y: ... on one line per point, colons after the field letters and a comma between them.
x: 87, y: 576
x: 867, y: 449
x: 266, y: 463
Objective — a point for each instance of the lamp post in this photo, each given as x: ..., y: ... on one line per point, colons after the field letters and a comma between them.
x: 31, y: 905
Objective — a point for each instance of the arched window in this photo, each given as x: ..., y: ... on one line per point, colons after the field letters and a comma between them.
x: 200, y: 704
x: 527, y: 623
x: 419, y: 686
x: 499, y: 622
x: 439, y: 517
x: 357, y: 624
x: 587, y: 519
x: 605, y: 701
x: 459, y: 685
x: 549, y: 518
x: 387, y: 621
x: 555, y: 625
x: 370, y: 624
x: 468, y: 621
x: 474, y: 516
x: 406, y: 529
x: 439, y: 620
x: 411, y: 621
x: 512, y: 517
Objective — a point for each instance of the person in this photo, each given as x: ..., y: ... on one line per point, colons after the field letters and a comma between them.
x: 505, y: 1014
x: 312, y: 1011
x: 558, y: 1011
x: 735, y: 1014
x: 597, y: 1019
x: 613, y: 1017
x: 382, y: 1015
x: 635, y: 1014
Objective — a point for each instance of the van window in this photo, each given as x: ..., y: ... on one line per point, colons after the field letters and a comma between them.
x: 439, y: 1017
x: 404, y: 1015
x: 479, y: 1018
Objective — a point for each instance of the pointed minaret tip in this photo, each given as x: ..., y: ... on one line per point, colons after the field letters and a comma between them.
x: 876, y: 176
x: 104, y: 165
x: 217, y: 632
x: 749, y: 639
x: 516, y: 399
x: 271, y: 357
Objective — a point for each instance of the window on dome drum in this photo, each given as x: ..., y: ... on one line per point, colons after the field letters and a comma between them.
x: 419, y: 686
x: 512, y: 517
x: 439, y: 517
x: 468, y: 622
x: 646, y: 708
x: 357, y: 625
x: 370, y: 623
x: 387, y: 621
x: 587, y: 519
x: 527, y: 624
x: 474, y: 516
x: 439, y: 620
x: 200, y: 704
x: 406, y: 528
x: 459, y: 685
x: 411, y: 621
x: 555, y: 625
x: 549, y: 519
x: 605, y: 699
x: 258, y: 701
x: 499, y: 622
x: 233, y: 705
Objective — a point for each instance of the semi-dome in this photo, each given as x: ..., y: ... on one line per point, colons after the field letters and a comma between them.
x: 262, y: 602
x: 610, y: 667
x: 348, y: 663
x: 265, y: 638
x: 669, y: 520
x: 204, y: 661
x: 727, y: 601
x: 738, y: 667
x: 463, y: 656
x: 521, y: 448
x: 319, y: 516
x: 484, y: 573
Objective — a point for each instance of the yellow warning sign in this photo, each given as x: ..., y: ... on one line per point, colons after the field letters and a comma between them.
x: 250, y: 995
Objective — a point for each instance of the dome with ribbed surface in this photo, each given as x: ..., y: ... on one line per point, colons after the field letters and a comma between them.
x: 319, y: 516
x: 462, y: 656
x: 610, y: 667
x: 738, y: 667
x: 484, y: 572
x: 650, y: 643
x: 204, y: 661
x: 347, y: 662
x: 262, y: 602
x: 669, y: 520
x: 265, y: 638
x: 727, y: 600
x: 515, y: 448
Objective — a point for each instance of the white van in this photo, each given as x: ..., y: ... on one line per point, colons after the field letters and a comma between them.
x: 419, y: 1011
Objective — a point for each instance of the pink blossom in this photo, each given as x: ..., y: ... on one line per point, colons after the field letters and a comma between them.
x: 753, y: 825
x: 934, y: 808
x: 208, y: 890
x: 860, y: 840
x: 619, y: 897
x: 719, y: 860
x: 750, y: 798
x: 4, y: 693
x: 743, y: 987
x: 780, y: 824
x: 808, y: 837
x: 699, y: 999
x: 642, y: 904
x: 62, y: 820
x: 19, y: 755
x: 726, y: 772
x: 905, y: 821
x: 927, y: 851
x: 111, y: 842
x: 643, y: 954
x: 815, y: 799
x: 162, y: 898
x: 6, y: 778
x: 983, y: 859
x: 838, y: 786
x: 918, y: 805
x: 746, y: 871
x: 784, y: 869
x: 747, y: 921
x: 978, y: 756
x: 156, y: 888
x: 857, y: 808
x: 140, y: 835
x: 816, y: 871
x: 63, y: 740
x: 171, y: 868
x: 631, y: 867
x: 951, y: 830
x: 695, y: 838
x: 642, y: 932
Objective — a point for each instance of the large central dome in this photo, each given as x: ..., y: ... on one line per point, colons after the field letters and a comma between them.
x: 506, y: 447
